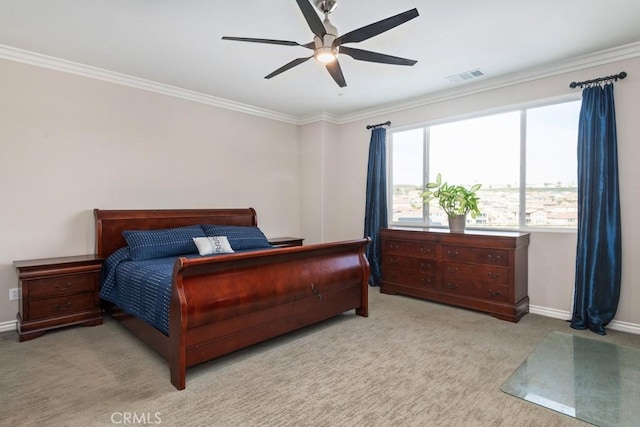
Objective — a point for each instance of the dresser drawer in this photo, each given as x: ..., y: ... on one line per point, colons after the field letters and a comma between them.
x: 416, y: 279
x: 418, y: 249
x: 62, y: 285
x: 60, y: 306
x: 475, y: 255
x: 409, y: 263
x: 483, y: 273
x: 471, y: 288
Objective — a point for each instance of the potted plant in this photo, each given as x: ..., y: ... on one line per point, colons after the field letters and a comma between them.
x: 455, y: 200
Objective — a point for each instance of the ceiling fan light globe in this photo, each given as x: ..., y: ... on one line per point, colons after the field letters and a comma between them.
x: 326, y: 54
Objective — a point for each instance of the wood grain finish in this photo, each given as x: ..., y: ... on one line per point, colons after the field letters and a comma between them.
x: 58, y: 292
x: 480, y: 271
x: 223, y: 303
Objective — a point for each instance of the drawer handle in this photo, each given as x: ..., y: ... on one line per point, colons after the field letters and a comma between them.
x: 395, y: 275
x: 64, y: 287
x: 425, y: 266
x: 426, y: 280
x: 493, y: 258
x: 425, y: 250
x: 63, y: 307
x: 452, y: 269
x: 451, y: 286
x: 394, y: 246
x: 393, y: 260
x: 493, y: 275
x: 453, y: 253
x: 494, y: 294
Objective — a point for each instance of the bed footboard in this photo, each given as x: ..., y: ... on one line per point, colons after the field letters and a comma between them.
x: 228, y: 302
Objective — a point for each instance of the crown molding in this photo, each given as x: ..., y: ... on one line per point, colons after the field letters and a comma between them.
x: 44, y: 61
x: 319, y: 117
x: 603, y: 57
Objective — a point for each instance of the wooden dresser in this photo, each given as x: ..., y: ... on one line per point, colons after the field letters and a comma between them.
x: 484, y: 271
x: 58, y: 292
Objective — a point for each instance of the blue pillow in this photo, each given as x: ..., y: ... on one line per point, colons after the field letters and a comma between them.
x: 150, y: 244
x: 239, y: 237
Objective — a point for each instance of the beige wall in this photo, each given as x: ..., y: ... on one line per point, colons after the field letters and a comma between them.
x: 70, y: 144
x: 551, y: 254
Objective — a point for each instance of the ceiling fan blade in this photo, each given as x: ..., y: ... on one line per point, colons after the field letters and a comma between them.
x: 288, y: 66
x: 336, y: 72
x: 367, y: 55
x: 312, y: 18
x: 268, y: 41
x: 376, y: 28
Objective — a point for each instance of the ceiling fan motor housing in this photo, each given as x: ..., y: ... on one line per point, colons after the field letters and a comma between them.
x: 325, y: 51
x: 326, y: 6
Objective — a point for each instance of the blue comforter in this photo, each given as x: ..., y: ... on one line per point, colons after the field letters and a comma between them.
x: 140, y: 288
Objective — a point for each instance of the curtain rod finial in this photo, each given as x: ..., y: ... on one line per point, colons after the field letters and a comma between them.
x: 387, y: 123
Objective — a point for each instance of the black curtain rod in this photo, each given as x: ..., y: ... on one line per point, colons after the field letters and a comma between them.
x: 378, y: 125
x: 614, y: 77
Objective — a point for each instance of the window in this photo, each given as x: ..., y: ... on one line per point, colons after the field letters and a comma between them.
x: 526, y: 161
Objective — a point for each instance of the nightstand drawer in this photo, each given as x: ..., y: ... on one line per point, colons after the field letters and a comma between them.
x: 58, y: 292
x: 61, y: 306
x: 62, y: 285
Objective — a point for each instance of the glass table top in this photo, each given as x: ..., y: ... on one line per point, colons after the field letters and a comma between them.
x: 590, y: 380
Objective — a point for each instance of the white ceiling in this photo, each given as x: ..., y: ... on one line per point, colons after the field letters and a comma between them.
x: 178, y: 43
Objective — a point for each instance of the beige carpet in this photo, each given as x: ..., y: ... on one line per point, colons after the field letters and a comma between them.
x: 411, y: 363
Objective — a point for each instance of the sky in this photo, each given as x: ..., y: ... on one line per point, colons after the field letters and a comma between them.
x: 487, y: 149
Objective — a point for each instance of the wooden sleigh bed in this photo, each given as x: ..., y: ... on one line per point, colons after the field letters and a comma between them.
x: 223, y: 303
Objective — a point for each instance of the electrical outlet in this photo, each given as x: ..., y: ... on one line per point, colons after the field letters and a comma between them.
x: 14, y: 294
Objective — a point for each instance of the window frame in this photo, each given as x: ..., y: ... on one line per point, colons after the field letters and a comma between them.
x: 522, y: 108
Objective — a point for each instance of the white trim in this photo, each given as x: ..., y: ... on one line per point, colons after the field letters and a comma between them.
x: 549, y: 312
x: 607, y: 56
x: 44, y: 61
x: 615, y: 325
x: 11, y: 325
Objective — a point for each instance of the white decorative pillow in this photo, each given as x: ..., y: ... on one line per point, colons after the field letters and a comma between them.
x: 213, y: 245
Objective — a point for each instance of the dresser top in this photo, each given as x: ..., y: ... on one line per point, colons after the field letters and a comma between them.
x: 467, y: 232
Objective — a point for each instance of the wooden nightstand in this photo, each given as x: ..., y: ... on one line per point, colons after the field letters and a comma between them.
x: 283, y: 242
x: 58, y: 292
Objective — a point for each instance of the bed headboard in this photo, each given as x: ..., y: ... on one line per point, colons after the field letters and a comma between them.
x: 111, y: 223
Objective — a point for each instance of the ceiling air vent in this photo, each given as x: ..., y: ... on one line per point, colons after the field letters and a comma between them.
x: 467, y: 75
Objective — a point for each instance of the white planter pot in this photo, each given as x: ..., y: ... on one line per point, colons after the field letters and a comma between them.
x: 457, y: 223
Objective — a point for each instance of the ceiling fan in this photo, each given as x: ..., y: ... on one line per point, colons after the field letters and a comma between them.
x: 327, y: 44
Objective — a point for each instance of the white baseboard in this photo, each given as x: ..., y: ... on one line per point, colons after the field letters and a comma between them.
x: 615, y: 325
x: 11, y: 325
x: 549, y: 312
